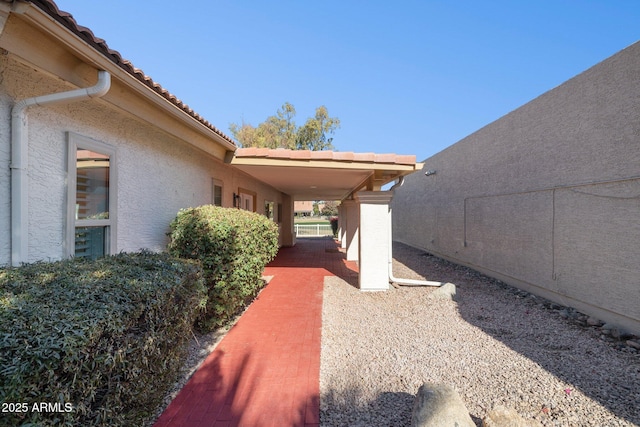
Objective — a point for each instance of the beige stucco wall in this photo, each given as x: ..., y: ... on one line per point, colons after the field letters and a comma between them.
x: 547, y: 198
x: 157, y: 174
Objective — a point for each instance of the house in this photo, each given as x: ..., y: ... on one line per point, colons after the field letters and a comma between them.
x: 303, y: 208
x: 97, y: 158
x: 546, y: 198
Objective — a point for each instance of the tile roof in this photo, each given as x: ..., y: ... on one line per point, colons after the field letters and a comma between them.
x: 67, y: 20
x: 345, y: 156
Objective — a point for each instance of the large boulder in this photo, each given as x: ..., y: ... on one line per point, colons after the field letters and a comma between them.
x: 446, y: 291
x: 439, y: 405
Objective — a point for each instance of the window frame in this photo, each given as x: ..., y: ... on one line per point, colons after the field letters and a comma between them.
x: 269, y: 210
x: 75, y: 141
x: 250, y: 194
x: 279, y: 215
x: 217, y: 183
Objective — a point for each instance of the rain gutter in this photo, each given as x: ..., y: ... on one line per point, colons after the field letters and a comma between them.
x: 20, y: 159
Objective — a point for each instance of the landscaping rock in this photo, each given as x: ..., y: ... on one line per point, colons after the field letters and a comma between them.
x: 439, y: 405
x: 592, y: 321
x: 507, y: 417
x: 616, y: 332
x: 624, y: 334
x: 633, y: 344
x: 446, y: 291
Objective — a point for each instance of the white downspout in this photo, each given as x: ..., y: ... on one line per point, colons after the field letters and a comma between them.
x: 20, y: 161
x: 392, y: 279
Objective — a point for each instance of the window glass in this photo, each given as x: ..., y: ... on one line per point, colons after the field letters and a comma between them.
x: 91, y: 242
x: 268, y: 209
x: 92, y: 185
x: 217, y: 195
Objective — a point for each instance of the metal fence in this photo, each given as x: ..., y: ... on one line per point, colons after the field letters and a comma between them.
x: 303, y: 230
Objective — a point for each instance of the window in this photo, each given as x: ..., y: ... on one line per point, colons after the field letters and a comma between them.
x: 246, y: 200
x: 91, y: 224
x: 268, y: 209
x: 216, y: 192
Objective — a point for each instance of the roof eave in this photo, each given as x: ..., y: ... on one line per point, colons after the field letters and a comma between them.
x: 327, y: 164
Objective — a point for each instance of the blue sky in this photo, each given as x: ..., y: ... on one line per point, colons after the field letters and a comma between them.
x: 410, y: 77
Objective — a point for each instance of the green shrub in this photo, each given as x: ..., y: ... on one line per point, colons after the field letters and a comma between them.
x: 104, y: 339
x: 233, y: 246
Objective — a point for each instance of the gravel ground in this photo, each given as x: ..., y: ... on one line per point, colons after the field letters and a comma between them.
x: 495, y: 345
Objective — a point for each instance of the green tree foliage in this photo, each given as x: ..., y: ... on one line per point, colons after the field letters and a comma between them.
x: 281, y: 131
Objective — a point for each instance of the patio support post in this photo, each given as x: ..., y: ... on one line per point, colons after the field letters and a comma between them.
x: 374, y: 239
x: 287, y: 228
x: 342, y: 225
x: 351, y: 214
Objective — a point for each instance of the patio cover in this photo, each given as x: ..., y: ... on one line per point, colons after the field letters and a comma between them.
x: 354, y: 178
x: 322, y: 175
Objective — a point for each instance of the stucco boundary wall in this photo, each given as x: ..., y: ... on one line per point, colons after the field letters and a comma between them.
x: 546, y: 198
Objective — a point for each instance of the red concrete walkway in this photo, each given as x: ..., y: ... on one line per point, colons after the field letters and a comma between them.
x: 265, y: 371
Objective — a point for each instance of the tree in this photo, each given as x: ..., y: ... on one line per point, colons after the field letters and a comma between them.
x: 313, y: 134
x: 281, y: 131
x: 330, y: 208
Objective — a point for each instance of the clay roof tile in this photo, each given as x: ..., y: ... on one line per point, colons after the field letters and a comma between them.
x: 321, y: 155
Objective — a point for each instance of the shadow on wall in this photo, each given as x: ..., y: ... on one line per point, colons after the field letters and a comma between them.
x: 546, y: 333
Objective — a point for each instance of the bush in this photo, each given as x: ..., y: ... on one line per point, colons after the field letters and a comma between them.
x: 334, y: 225
x: 233, y: 246
x: 98, y: 342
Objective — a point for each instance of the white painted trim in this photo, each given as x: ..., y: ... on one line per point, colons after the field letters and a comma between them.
x: 73, y: 142
x: 215, y: 182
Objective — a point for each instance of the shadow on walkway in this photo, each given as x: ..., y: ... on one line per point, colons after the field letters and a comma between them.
x: 265, y: 372
x: 318, y: 252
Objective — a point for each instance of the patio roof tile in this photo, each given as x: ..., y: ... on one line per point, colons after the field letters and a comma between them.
x: 405, y: 159
x: 322, y: 155
x: 365, y: 157
x: 300, y: 154
x: 343, y: 155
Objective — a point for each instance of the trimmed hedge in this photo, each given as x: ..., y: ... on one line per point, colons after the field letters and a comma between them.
x: 233, y: 247
x: 97, y: 342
